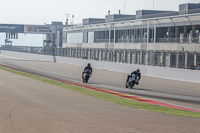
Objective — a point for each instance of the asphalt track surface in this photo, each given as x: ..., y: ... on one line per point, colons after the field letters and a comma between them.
x: 175, y: 92
x: 31, y: 106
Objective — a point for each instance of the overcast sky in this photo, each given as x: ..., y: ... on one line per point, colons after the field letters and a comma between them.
x: 45, y: 11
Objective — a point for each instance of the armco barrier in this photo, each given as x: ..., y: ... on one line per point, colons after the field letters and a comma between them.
x: 151, y: 71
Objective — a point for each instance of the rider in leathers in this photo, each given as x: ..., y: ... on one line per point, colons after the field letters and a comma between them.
x: 137, y: 72
x: 88, y: 67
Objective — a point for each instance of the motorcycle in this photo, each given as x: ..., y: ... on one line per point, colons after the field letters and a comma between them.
x: 86, y: 76
x: 132, y: 80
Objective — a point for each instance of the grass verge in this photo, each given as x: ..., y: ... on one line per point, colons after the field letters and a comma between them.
x: 109, y: 97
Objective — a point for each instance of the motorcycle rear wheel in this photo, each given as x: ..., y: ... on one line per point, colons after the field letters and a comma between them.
x: 126, y: 86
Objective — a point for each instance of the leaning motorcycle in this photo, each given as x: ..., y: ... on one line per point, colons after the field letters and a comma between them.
x: 86, y: 76
x: 132, y: 80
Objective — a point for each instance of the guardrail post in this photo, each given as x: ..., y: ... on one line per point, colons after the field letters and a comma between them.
x: 161, y: 58
x: 195, y: 59
x: 177, y: 60
x: 186, y: 60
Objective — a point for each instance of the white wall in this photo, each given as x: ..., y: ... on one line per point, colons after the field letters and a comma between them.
x: 140, y: 46
x: 151, y: 71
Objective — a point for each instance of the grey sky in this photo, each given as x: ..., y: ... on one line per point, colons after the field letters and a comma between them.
x: 45, y: 11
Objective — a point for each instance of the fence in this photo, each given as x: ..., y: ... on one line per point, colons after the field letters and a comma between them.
x: 178, y: 59
x: 179, y: 40
x: 152, y: 71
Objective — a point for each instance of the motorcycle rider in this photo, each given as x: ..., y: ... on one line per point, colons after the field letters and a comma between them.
x: 137, y: 72
x: 88, y: 67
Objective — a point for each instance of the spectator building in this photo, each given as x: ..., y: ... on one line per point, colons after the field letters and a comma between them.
x: 157, y: 38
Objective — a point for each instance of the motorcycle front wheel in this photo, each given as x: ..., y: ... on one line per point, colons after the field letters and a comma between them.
x: 132, y: 84
x: 86, y: 79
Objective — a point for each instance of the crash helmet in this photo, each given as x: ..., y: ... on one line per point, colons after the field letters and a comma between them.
x: 89, y: 64
x: 138, y: 70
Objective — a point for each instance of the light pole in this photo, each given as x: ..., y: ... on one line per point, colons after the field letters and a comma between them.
x: 153, y: 4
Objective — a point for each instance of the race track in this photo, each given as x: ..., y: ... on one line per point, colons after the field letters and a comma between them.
x: 180, y: 93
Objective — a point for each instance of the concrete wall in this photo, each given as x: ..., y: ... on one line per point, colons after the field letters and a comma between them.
x: 140, y: 46
x: 151, y: 71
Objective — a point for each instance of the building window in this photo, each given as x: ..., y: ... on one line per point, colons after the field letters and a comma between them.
x: 75, y: 37
x: 90, y: 37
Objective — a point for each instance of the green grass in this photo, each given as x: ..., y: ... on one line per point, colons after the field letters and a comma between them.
x: 109, y: 97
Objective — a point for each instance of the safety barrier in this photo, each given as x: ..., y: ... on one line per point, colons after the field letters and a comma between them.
x: 151, y: 71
